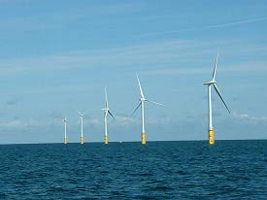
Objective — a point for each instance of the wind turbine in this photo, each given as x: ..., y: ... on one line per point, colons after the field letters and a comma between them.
x: 81, y: 118
x: 142, y: 104
x: 106, y: 112
x: 65, y: 136
x: 211, y: 83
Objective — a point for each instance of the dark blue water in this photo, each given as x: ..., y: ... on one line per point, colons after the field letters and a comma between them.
x: 159, y: 170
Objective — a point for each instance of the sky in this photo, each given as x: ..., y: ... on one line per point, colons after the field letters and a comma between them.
x: 56, y: 58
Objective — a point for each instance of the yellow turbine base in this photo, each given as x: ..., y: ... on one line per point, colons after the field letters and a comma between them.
x: 143, y: 138
x: 65, y: 141
x: 106, y: 139
x: 82, y: 140
x: 211, y: 136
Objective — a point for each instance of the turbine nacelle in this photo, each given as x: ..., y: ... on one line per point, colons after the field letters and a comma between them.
x: 65, y: 120
x: 142, y: 99
x: 209, y: 82
x: 106, y: 111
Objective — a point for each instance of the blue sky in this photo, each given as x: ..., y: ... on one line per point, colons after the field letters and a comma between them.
x: 56, y: 57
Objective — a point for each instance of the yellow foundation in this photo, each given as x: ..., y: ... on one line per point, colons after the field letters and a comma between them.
x: 211, y: 136
x: 106, y: 139
x: 65, y: 141
x: 143, y: 138
x: 82, y: 140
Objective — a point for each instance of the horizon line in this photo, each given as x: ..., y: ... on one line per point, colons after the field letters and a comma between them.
x: 152, y: 141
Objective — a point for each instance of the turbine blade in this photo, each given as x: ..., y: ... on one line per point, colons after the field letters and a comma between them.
x: 220, y: 95
x: 80, y: 114
x: 106, y: 96
x: 136, y: 108
x: 140, y: 87
x: 105, y: 114
x: 156, y: 103
x: 215, y: 66
x: 111, y: 114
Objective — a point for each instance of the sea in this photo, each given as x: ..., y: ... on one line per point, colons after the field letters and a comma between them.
x: 128, y: 170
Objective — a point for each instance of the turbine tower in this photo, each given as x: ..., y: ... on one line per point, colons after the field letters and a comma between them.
x: 106, y: 112
x: 211, y: 83
x: 142, y: 104
x: 65, y: 135
x: 81, y: 118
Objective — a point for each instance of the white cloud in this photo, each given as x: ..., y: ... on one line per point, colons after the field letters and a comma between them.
x: 24, y: 124
x: 250, y: 118
x: 125, y: 121
x: 94, y: 122
x: 121, y: 121
x: 19, y: 124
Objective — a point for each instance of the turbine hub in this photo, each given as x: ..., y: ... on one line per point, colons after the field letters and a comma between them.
x: 142, y: 99
x: 209, y: 82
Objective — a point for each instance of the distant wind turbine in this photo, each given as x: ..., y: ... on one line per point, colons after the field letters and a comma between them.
x: 106, y: 112
x: 211, y: 83
x: 142, y: 104
x: 65, y: 135
x: 82, y: 136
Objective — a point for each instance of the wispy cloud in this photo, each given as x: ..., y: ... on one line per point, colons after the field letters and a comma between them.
x: 127, y: 121
x: 13, y: 101
x: 159, y: 57
x: 47, y: 20
x: 19, y: 124
x: 246, y: 67
x: 57, y: 121
x: 91, y: 121
x: 235, y: 23
x: 26, y: 124
x: 175, y: 71
x: 249, y: 117
x: 213, y: 26
x: 141, y: 54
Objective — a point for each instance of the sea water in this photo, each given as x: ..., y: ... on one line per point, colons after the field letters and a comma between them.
x: 158, y: 170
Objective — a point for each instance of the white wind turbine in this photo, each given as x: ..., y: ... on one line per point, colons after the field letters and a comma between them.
x: 81, y: 119
x: 106, y: 112
x: 211, y: 83
x: 142, y: 104
x: 65, y: 135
